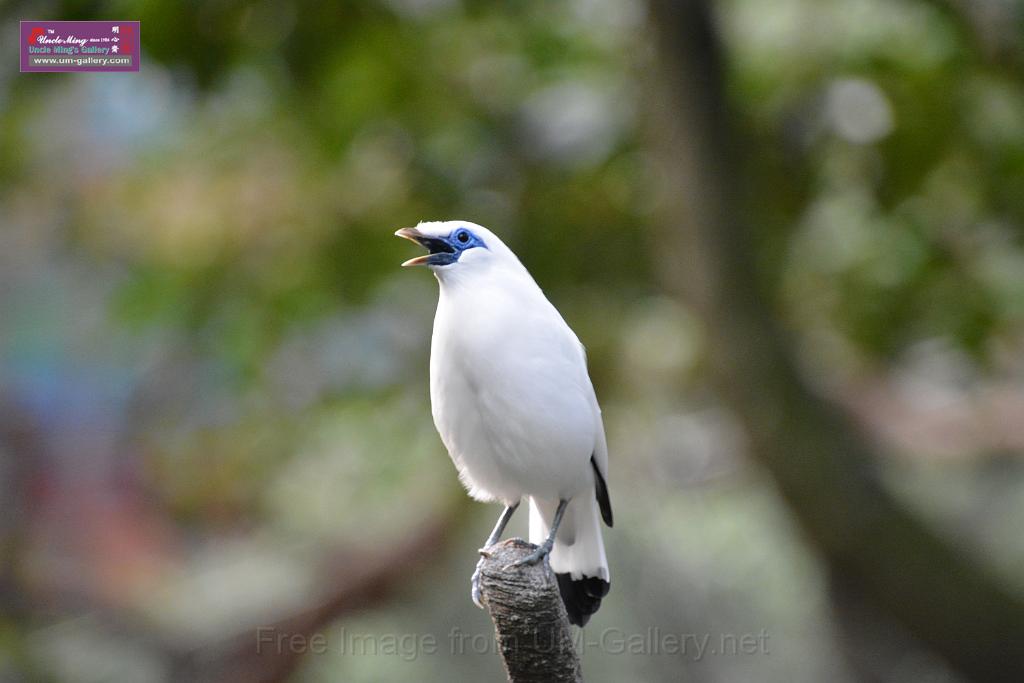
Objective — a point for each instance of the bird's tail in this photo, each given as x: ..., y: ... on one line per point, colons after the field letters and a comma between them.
x: 577, y: 558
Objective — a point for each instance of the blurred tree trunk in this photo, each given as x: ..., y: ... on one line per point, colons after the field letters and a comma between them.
x: 822, y: 465
x: 995, y: 28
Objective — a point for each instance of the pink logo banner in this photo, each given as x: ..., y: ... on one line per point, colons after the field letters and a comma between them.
x: 79, y: 46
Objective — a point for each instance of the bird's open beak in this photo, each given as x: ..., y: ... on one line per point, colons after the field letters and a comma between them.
x: 439, y: 248
x: 413, y: 235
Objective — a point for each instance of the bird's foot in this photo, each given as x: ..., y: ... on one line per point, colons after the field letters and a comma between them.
x: 533, y: 558
x: 477, y: 591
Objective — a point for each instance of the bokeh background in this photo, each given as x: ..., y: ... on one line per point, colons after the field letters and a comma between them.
x: 214, y: 412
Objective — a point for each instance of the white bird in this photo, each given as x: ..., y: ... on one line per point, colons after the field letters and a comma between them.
x: 514, y: 405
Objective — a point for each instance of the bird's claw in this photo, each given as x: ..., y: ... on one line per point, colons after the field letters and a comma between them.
x: 533, y: 558
x: 477, y: 592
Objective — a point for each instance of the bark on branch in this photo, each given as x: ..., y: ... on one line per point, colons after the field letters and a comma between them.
x: 529, y: 620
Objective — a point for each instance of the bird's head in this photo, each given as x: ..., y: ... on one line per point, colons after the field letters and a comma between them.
x: 455, y: 245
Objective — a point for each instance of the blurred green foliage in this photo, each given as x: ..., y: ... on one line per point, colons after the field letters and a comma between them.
x: 199, y: 259
x: 319, y: 125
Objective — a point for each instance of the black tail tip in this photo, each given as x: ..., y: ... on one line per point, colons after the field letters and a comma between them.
x: 582, y: 597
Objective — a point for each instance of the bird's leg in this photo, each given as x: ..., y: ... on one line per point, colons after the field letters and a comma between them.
x: 495, y: 536
x: 545, y: 548
x: 499, y: 528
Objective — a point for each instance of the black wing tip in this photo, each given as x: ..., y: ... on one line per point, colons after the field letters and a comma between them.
x: 601, y: 491
x: 582, y: 597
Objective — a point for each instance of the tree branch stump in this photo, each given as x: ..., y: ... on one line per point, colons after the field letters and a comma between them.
x: 530, y: 622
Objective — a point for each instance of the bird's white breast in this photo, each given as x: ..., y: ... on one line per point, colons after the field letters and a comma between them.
x: 509, y: 391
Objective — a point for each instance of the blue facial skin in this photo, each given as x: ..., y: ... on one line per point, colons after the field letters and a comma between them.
x: 445, y: 251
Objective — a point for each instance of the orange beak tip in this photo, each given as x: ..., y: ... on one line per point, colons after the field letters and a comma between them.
x: 418, y: 261
x: 411, y: 234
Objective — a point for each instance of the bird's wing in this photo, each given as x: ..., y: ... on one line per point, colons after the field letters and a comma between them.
x: 599, y: 459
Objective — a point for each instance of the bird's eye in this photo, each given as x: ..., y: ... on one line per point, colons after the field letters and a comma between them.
x: 462, y: 236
